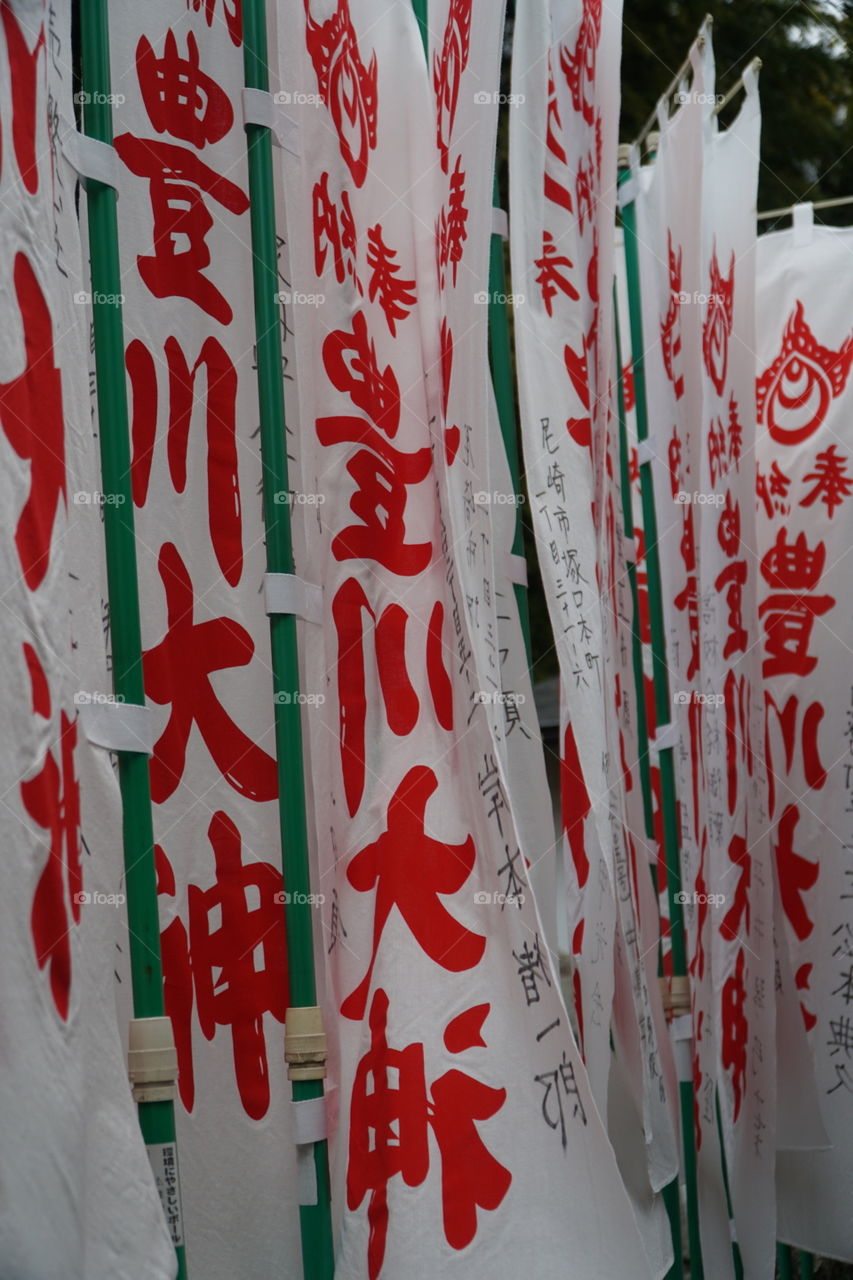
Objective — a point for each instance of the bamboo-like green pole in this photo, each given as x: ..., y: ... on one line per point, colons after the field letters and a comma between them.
x: 156, y: 1119
x: 663, y: 710
x: 315, y: 1220
x: 806, y: 1261
x: 671, y: 1196
x: 785, y: 1260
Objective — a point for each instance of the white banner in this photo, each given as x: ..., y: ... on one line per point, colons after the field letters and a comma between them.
x: 453, y: 1038
x: 189, y: 328
x: 566, y: 59
x: 804, y: 486
x: 77, y: 1198
x: 739, y: 874
x: 669, y: 212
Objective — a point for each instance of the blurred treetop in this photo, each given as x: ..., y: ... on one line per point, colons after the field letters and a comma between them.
x: 806, y: 83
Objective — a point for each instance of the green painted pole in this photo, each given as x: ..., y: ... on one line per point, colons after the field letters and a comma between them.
x: 806, y: 1262
x: 785, y: 1261
x: 671, y: 1197
x: 156, y: 1119
x: 315, y: 1220
x: 663, y: 710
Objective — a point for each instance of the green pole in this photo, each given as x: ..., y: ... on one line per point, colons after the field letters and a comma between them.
x: 315, y: 1220
x: 671, y: 1196
x: 785, y: 1260
x: 806, y: 1265
x: 663, y: 708
x: 156, y: 1119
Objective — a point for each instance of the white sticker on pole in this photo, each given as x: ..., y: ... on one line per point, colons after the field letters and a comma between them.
x: 163, y: 1158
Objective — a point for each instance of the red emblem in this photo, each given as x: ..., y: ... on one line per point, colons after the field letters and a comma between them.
x: 447, y: 72
x: 718, y: 322
x: 346, y: 85
x: 793, y: 395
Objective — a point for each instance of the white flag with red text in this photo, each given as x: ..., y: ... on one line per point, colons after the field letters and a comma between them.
x: 77, y: 1197
x: 185, y: 242
x: 804, y: 480
x: 466, y: 1119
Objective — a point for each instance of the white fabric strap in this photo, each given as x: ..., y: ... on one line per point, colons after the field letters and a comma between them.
x: 500, y: 223
x: 803, y: 224
x: 627, y: 191
x: 666, y: 735
x: 91, y: 158
x: 285, y: 593
x: 629, y: 550
x: 516, y: 569
x: 645, y: 451
x: 262, y: 108
x: 310, y: 1120
x: 681, y: 1035
x: 117, y: 726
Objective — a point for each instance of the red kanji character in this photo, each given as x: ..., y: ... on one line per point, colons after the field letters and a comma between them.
x: 583, y: 189
x: 550, y: 277
x: 381, y: 472
x: 409, y: 870
x: 793, y: 395
x: 556, y: 164
x: 674, y: 452
x: 398, y: 694
x: 738, y: 699
x: 716, y: 450
x: 630, y: 401
x: 801, y: 981
x: 580, y: 429
x: 179, y: 97
x: 718, y: 322
x: 813, y: 770
x: 451, y: 232
x: 777, y: 488
x: 447, y: 68
x: 177, y: 674
x: 223, y: 476
x: 233, y: 16
x: 178, y: 178
x: 396, y: 297
x: 579, y: 66
x: 733, y: 577
x: 697, y: 1083
x: 792, y: 570
x: 687, y: 600
x: 52, y: 800
x: 347, y: 86
x: 832, y: 484
x: 334, y: 231
x: 235, y: 967
x: 390, y: 1116
x: 670, y: 326
x: 796, y: 874
x: 735, y: 1030
x: 738, y: 914
x: 31, y: 414
x: 575, y: 804
x: 735, y: 433
x: 23, y: 65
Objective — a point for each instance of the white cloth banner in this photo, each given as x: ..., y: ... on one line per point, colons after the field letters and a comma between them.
x: 565, y: 61
x: 452, y: 1038
x: 189, y: 329
x: 669, y: 215
x: 77, y: 1197
x: 804, y: 486
x: 739, y: 874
